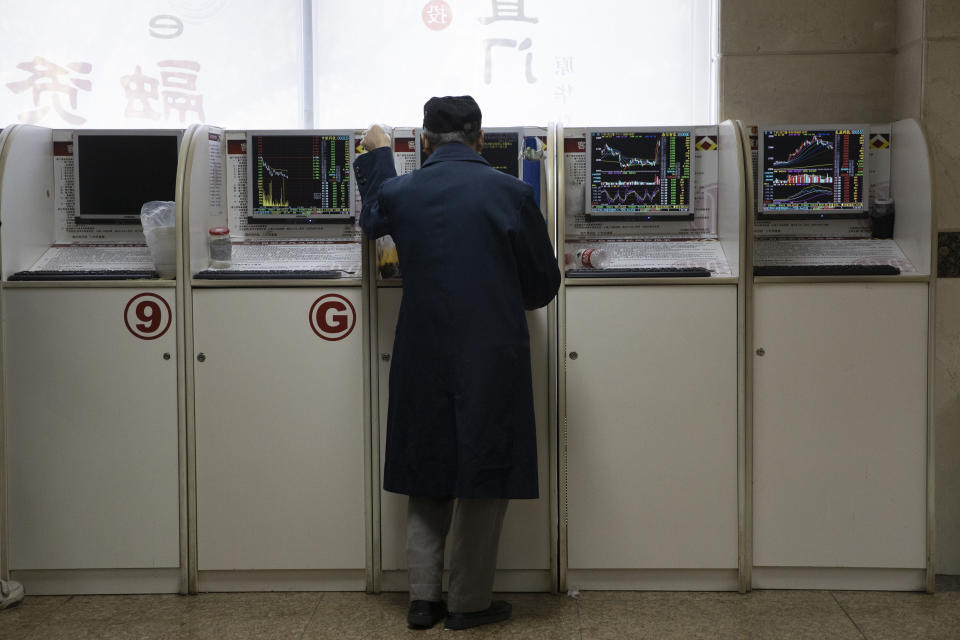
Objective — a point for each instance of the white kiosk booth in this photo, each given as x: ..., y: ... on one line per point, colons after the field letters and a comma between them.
x: 651, y: 377
x: 91, y: 346
x: 277, y: 387
x: 529, y: 538
x: 840, y: 347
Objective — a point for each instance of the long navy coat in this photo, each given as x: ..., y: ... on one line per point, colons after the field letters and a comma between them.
x: 474, y: 253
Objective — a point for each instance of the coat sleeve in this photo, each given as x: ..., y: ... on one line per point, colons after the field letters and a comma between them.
x: 372, y: 170
x: 536, y: 262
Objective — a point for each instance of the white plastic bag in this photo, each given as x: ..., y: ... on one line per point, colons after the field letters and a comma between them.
x: 157, y: 218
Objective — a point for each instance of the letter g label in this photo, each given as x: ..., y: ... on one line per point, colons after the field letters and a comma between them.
x: 332, y: 317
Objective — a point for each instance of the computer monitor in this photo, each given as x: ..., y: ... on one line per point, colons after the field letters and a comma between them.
x: 501, y: 149
x: 639, y: 174
x: 118, y: 171
x: 300, y: 176
x: 812, y: 172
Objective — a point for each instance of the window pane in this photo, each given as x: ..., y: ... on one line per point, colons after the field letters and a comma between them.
x: 116, y: 63
x: 525, y: 61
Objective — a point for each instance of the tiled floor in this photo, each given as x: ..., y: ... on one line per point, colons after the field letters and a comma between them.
x: 593, y: 616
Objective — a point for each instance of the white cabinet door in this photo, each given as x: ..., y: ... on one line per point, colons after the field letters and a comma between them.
x: 279, y: 430
x: 840, y: 399
x: 393, y: 507
x: 525, y: 541
x: 91, y: 420
x: 652, y: 427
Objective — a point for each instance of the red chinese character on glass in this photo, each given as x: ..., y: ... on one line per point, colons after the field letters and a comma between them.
x: 437, y: 15
x: 178, y: 87
x: 140, y: 90
x: 50, y: 87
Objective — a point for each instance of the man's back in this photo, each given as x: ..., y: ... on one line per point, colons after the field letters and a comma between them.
x: 474, y: 253
x: 463, y: 233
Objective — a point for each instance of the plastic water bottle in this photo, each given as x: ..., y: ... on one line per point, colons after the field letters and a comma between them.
x: 592, y: 258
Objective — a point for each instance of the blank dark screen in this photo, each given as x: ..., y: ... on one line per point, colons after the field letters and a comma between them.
x: 118, y: 173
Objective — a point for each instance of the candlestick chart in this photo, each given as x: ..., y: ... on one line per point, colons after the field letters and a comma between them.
x: 639, y: 172
x: 812, y: 170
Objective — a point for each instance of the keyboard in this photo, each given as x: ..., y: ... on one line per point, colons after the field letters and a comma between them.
x: 826, y: 270
x: 641, y: 272
x: 267, y: 274
x: 27, y: 276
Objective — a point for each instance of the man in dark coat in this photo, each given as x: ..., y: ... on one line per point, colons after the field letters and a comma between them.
x: 461, y: 437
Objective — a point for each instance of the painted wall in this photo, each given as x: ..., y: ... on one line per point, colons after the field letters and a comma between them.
x: 940, y: 111
x: 843, y: 54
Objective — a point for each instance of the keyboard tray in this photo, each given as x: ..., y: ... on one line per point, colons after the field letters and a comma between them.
x: 236, y: 274
x: 641, y: 272
x: 47, y: 276
x: 826, y: 270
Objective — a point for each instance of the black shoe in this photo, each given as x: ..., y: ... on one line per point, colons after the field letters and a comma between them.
x: 424, y: 614
x: 497, y: 611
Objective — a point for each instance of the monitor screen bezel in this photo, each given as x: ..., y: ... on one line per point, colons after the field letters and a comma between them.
x: 639, y: 216
x: 813, y: 214
x: 110, y: 219
x: 253, y: 218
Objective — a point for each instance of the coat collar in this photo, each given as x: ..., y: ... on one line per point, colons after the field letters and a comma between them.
x: 454, y: 151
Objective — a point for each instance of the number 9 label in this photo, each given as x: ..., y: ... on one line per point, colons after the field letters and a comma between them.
x: 147, y: 316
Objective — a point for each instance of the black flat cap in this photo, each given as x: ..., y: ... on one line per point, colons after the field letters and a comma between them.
x: 451, y: 113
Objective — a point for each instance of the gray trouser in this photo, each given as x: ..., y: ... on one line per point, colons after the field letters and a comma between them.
x: 473, y: 558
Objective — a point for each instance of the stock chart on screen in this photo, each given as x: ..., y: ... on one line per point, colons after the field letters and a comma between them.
x: 815, y: 171
x: 644, y: 174
x: 300, y: 177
